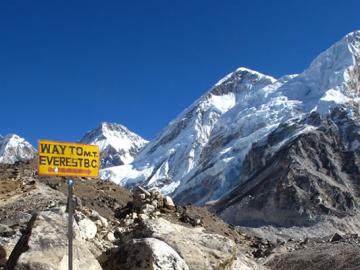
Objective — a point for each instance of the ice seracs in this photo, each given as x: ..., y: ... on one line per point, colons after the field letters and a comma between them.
x: 14, y: 148
x: 199, y: 156
x: 117, y: 144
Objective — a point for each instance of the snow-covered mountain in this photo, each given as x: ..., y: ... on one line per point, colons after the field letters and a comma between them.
x: 117, y: 144
x: 176, y: 151
x: 200, y: 155
x: 14, y: 148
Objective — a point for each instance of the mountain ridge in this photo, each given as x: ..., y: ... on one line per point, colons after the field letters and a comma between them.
x: 201, y: 151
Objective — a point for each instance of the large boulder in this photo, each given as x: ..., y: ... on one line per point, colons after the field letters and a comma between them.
x: 44, y: 245
x: 151, y: 254
x: 200, y: 250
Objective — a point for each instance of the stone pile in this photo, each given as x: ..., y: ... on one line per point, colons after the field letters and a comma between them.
x: 150, y: 202
x: 147, y: 204
x: 97, y: 231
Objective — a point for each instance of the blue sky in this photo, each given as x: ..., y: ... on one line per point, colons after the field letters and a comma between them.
x: 66, y: 66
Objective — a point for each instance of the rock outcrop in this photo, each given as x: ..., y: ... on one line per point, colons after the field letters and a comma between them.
x: 155, y: 221
x: 45, y: 245
x: 199, y: 249
x: 23, y: 195
x: 299, y: 178
x: 151, y: 254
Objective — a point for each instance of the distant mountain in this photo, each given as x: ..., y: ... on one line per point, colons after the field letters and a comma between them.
x: 14, y: 148
x: 117, y: 144
x: 204, y: 154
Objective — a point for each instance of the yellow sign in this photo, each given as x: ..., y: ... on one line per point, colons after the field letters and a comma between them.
x: 68, y: 159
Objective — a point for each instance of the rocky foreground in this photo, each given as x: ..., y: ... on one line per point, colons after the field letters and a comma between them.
x: 117, y: 229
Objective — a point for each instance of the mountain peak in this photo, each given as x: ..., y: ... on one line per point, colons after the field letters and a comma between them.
x: 107, y: 126
x: 245, y: 70
x: 243, y: 73
x: 117, y: 144
x: 13, y: 148
x: 353, y: 36
x: 331, y: 80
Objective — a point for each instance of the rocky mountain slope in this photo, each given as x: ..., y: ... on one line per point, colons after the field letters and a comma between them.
x: 117, y: 229
x: 114, y: 229
x: 203, y: 153
x: 314, y: 173
x: 14, y: 148
x: 117, y: 144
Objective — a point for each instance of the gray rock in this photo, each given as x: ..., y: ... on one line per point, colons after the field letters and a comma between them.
x: 48, y: 243
x: 147, y: 209
x: 110, y: 237
x: 336, y: 237
x: 18, y: 218
x: 87, y: 227
x: 98, y: 224
x: 6, y: 231
x: 128, y: 221
x: 154, y: 203
x: 134, y: 215
x: 143, y: 217
x: 152, y: 254
x: 95, y: 216
x: 200, y: 250
x: 168, y: 202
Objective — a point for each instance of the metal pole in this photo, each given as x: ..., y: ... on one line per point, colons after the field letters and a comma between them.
x: 70, y: 183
